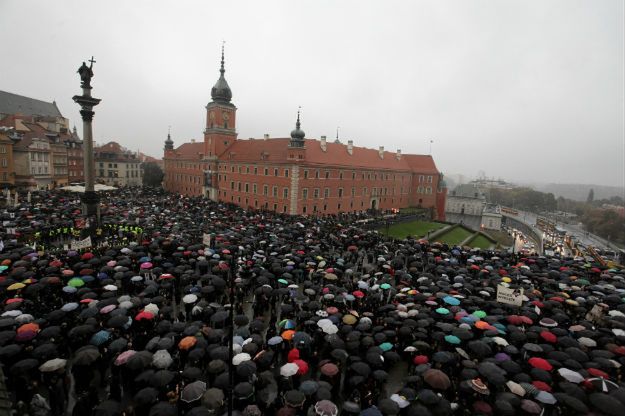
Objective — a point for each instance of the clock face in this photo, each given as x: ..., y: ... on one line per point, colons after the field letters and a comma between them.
x: 226, y: 116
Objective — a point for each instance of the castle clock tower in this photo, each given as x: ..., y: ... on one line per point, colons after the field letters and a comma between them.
x: 220, y: 130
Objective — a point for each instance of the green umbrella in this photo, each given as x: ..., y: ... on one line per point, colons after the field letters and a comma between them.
x: 76, y: 282
x: 582, y: 282
x: 442, y: 311
x: 385, y: 286
x: 480, y: 314
x: 452, y: 339
x: 386, y: 346
x: 284, y: 282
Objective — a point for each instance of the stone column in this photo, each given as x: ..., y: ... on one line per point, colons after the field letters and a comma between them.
x: 90, y: 199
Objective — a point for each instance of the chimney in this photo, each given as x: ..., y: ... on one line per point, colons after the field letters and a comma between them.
x: 350, y: 147
x: 192, y: 140
x: 381, y: 152
x: 398, y: 155
x: 265, y: 136
x: 324, y: 145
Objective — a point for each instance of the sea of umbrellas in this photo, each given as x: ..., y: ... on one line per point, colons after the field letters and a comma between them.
x: 327, y: 319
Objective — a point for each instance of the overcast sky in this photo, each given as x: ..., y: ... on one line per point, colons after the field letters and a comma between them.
x: 522, y: 90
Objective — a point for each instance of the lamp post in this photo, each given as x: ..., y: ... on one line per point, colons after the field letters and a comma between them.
x: 90, y: 199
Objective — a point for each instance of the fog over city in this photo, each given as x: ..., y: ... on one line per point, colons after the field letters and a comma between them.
x: 526, y: 91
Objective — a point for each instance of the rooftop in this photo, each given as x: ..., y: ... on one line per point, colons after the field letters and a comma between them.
x: 18, y: 104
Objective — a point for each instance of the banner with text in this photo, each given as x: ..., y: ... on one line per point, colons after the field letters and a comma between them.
x: 509, y: 296
x: 81, y: 244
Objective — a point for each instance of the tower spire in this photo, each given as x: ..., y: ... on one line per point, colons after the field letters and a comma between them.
x: 222, y: 70
x: 297, y: 123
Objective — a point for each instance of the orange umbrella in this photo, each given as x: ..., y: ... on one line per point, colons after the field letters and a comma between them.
x: 484, y: 325
x: 187, y: 342
x: 28, y: 327
x: 288, y: 335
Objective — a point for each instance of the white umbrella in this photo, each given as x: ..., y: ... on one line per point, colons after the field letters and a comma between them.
x: 400, y: 400
x: 331, y: 329
x: 587, y: 342
x: 289, y: 369
x: 52, y: 365
x: 241, y: 357
x: 570, y: 375
x: 190, y: 298
x: 126, y: 304
x: 500, y: 341
x: 152, y: 308
x: 516, y: 388
x: 110, y: 288
x: 24, y: 318
x: 321, y: 323
x: 136, y: 278
x: 162, y: 359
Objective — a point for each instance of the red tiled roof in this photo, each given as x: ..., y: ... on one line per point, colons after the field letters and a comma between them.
x: 190, y: 150
x: 335, y: 155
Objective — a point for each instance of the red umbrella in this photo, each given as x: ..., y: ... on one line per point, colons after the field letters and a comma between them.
x: 548, y: 336
x: 592, y: 371
x: 359, y: 294
x: 526, y: 320
x: 329, y: 369
x: 541, y: 385
x: 86, y: 256
x: 13, y: 300
x: 350, y: 248
x: 541, y: 363
x: 420, y: 359
x: 144, y: 315
x: 166, y: 276
x: 515, y: 320
x: 332, y: 310
x: 303, y: 366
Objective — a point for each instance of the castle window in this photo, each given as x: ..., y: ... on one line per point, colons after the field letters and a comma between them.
x: 305, y: 193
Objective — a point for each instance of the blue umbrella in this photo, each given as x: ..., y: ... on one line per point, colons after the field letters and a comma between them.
x: 372, y: 411
x: 144, y: 259
x: 452, y: 339
x: 386, y: 346
x: 450, y: 300
x: 68, y: 307
x: 274, y: 340
x: 100, y: 337
x: 87, y: 279
x: 69, y: 289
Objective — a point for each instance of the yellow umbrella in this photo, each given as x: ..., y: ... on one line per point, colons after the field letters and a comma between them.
x: 16, y: 286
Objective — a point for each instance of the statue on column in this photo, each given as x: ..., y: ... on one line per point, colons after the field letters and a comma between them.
x: 86, y: 73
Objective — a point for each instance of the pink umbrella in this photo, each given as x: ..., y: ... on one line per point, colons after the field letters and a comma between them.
x: 146, y: 265
x: 124, y: 357
x: 108, y: 308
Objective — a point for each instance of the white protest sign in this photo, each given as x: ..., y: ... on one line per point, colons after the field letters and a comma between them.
x: 509, y: 296
x: 81, y: 244
x: 206, y: 239
x: 595, y: 314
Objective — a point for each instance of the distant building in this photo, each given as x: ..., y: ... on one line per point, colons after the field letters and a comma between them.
x: 296, y: 175
x: 117, y: 166
x: 40, y: 153
x: 466, y: 204
x: 492, y: 183
x: 7, y: 168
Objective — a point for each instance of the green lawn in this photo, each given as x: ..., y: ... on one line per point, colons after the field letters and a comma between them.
x: 481, y: 242
x: 455, y: 236
x: 413, y: 228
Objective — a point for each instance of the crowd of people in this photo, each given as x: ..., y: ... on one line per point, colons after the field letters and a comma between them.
x: 183, y: 306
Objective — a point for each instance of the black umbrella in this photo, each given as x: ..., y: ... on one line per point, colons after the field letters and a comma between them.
x: 24, y: 366
x: 607, y: 404
x: 294, y: 398
x: 163, y: 409
x: 86, y: 355
x: 146, y: 396
x: 161, y: 378
x: 571, y: 402
x: 108, y: 408
x: 243, y: 390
